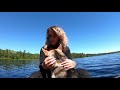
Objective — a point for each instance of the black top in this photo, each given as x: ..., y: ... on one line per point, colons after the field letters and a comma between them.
x: 42, y: 57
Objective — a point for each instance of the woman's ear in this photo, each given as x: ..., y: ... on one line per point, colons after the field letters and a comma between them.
x: 60, y: 47
x: 45, y: 52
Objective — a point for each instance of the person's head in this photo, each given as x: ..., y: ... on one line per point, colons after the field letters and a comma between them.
x: 56, y: 35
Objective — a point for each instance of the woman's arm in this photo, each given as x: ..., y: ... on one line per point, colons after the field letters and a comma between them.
x: 45, y: 64
x: 42, y: 70
x: 41, y: 59
x: 68, y: 63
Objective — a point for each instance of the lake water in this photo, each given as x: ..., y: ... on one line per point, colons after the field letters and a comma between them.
x: 104, y: 66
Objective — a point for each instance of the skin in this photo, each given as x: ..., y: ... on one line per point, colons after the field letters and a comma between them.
x: 49, y: 61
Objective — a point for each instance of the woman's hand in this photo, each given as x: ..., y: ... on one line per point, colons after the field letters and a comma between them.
x: 48, y: 62
x: 68, y: 64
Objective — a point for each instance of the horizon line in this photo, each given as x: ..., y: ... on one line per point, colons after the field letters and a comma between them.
x: 71, y: 52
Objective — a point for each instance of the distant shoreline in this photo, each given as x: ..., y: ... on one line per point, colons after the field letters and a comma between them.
x: 23, y: 55
x: 15, y: 59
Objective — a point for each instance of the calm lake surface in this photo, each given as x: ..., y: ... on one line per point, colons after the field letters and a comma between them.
x: 104, y: 66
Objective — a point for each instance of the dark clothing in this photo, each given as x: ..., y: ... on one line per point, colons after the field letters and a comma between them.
x: 42, y: 57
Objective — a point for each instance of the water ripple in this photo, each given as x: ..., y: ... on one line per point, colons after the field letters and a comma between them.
x: 104, y: 66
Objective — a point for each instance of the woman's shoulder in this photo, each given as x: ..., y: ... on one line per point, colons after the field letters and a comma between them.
x: 41, y: 48
x: 67, y: 48
x: 68, y: 52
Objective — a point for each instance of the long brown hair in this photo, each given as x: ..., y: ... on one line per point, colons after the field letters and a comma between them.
x: 62, y: 35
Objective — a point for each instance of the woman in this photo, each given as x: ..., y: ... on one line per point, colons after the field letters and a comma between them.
x: 54, y: 37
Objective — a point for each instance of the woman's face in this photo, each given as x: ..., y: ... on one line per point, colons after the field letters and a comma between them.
x: 53, y: 37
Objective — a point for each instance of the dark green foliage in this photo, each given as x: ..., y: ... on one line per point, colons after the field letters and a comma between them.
x: 11, y: 54
x: 81, y: 55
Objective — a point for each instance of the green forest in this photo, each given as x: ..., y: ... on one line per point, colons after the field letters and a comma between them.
x: 82, y: 55
x: 23, y: 55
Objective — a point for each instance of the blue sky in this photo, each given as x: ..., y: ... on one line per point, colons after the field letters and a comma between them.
x: 88, y: 32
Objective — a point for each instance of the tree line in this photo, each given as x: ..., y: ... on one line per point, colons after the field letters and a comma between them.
x: 81, y: 55
x: 11, y: 54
